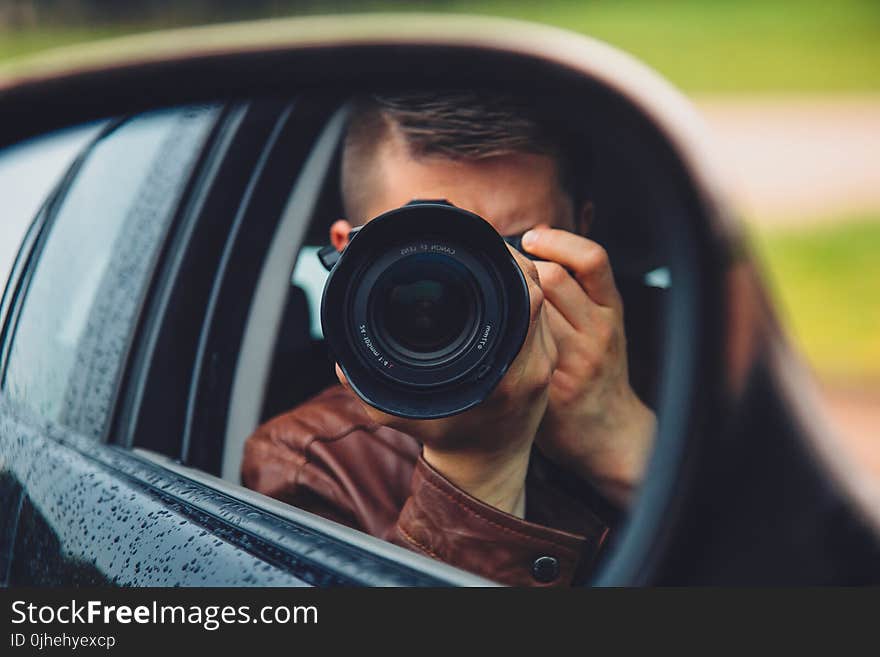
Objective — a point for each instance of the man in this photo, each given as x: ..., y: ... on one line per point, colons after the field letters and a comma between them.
x: 493, y: 490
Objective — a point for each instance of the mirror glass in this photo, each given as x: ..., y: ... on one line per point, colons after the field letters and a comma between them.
x: 228, y: 213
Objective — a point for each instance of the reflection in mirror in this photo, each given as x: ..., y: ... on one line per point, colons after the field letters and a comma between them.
x: 487, y: 403
x: 473, y: 423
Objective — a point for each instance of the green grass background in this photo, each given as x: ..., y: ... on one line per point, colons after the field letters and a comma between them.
x: 826, y: 278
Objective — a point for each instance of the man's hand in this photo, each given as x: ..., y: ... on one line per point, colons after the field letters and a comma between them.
x: 595, y: 424
x: 485, y: 451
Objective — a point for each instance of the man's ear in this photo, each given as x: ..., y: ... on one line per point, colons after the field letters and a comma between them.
x: 339, y: 234
x: 584, y: 218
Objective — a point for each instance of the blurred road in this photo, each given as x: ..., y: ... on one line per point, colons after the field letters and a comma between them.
x: 800, y: 159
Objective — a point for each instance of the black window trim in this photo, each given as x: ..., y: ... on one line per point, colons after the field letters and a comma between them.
x: 247, y: 126
x: 300, y: 124
x: 122, y: 425
x: 204, y: 336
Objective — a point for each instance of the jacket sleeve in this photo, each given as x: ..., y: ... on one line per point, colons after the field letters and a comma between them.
x: 326, y: 457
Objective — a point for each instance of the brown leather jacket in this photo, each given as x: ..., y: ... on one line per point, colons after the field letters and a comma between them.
x: 327, y: 457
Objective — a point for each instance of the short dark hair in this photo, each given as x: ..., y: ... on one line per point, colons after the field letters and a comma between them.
x: 459, y: 125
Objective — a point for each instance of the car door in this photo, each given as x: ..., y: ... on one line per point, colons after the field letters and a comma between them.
x: 99, y: 328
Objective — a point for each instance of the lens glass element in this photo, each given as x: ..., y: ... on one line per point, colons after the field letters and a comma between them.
x: 425, y: 306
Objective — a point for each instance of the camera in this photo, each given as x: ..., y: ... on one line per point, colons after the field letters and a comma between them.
x: 424, y: 310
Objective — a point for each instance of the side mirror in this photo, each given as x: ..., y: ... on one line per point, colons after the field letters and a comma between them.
x: 740, y: 465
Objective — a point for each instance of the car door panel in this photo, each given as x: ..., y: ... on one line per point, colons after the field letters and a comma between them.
x: 96, y: 514
x: 11, y: 497
x: 84, y: 522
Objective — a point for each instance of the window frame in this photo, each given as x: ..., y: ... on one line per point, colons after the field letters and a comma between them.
x: 138, y: 378
x: 254, y: 136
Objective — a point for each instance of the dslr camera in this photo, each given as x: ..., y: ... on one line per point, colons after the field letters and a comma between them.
x: 425, y: 309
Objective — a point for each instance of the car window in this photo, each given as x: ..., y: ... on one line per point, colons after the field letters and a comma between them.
x: 28, y: 173
x: 91, y: 274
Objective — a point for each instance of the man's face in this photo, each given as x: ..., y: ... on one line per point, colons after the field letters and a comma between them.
x: 513, y: 192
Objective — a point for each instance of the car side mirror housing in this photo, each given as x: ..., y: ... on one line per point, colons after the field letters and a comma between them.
x: 726, y: 372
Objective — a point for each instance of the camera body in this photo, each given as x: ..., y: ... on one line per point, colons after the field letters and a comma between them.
x: 424, y: 310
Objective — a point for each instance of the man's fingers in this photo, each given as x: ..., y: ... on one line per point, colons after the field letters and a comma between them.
x: 583, y: 257
x: 551, y: 345
x: 566, y: 294
x: 560, y: 327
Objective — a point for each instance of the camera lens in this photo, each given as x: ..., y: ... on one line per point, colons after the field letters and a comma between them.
x: 425, y: 307
x: 424, y: 310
